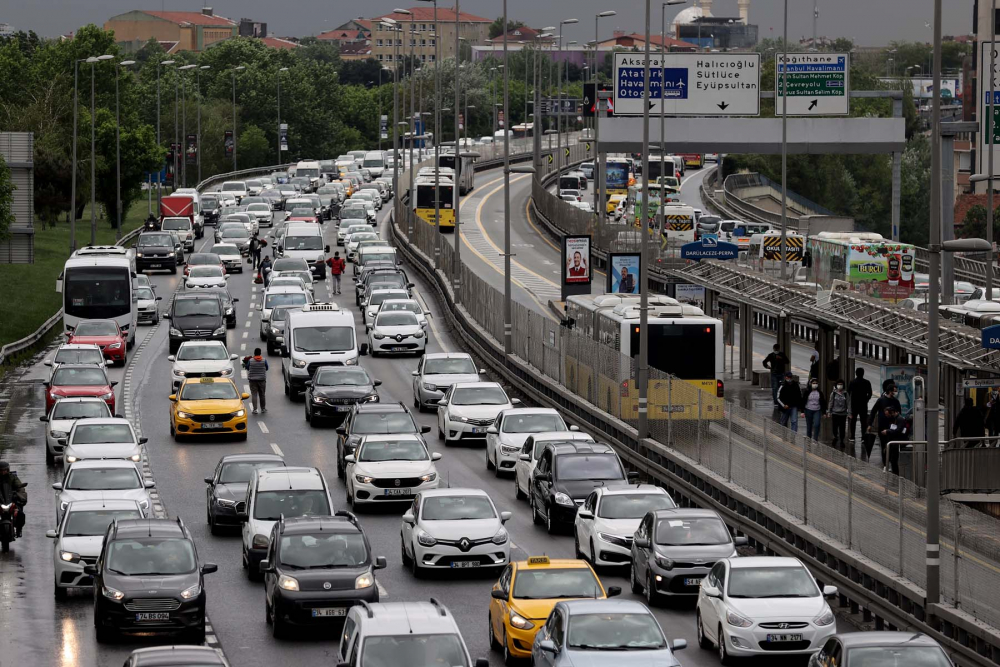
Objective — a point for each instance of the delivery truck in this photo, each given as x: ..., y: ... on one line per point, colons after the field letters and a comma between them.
x: 183, y: 205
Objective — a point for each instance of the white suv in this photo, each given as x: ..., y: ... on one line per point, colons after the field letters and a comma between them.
x: 108, y: 438
x: 390, y: 468
x: 200, y: 358
x: 608, y: 518
x: 506, y: 436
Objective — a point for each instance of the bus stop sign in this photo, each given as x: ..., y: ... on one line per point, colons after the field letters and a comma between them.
x: 991, y: 337
x: 709, y: 247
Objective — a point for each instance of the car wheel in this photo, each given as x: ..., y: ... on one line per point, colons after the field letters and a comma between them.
x: 508, y: 659
x: 212, y: 528
x: 494, y: 644
x: 340, y: 468
x: 536, y: 518
x: 652, y: 597
x: 496, y: 469
x: 724, y: 658
x: 277, y: 627
x: 349, y: 495
x: 402, y: 552
x: 50, y: 458
x: 287, y: 390
x: 633, y: 580
x: 593, y: 554
x: 415, y: 568
x: 271, y: 350
x: 703, y: 641
x: 104, y: 635
x: 518, y: 493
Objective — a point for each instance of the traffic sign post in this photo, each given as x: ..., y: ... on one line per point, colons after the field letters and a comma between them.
x: 689, y: 84
x: 983, y: 111
x: 818, y: 84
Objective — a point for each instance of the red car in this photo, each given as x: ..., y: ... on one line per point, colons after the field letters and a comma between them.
x: 302, y: 215
x: 79, y: 380
x: 104, y: 333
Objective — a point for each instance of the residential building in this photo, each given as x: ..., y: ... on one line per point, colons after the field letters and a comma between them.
x: 418, y: 27
x: 355, y: 51
x: 339, y: 36
x: 184, y: 31
x: 7, y: 30
x: 524, y: 34
x: 638, y: 41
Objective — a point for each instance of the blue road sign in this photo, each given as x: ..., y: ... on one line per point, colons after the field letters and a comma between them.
x: 709, y: 247
x: 665, y: 83
x: 991, y: 337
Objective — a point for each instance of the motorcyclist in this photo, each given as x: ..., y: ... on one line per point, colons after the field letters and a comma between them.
x: 12, y: 489
x: 151, y: 222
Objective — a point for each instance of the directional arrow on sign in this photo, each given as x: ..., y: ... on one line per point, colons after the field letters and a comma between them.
x: 567, y: 151
x: 722, y: 105
x: 813, y: 104
x: 550, y: 159
x: 588, y: 146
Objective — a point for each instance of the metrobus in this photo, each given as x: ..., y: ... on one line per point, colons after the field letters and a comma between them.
x: 99, y: 286
x: 618, y: 176
x: 683, y: 342
x: 425, y: 200
x: 461, y: 167
x: 693, y: 159
x: 524, y: 130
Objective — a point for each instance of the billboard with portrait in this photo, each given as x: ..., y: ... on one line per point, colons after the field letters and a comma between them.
x: 623, y: 273
x: 576, y: 253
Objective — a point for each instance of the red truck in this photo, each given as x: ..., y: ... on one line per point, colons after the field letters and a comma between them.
x: 183, y: 206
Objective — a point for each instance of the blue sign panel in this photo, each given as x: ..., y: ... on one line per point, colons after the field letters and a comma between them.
x: 667, y: 83
x: 709, y: 247
x: 991, y: 337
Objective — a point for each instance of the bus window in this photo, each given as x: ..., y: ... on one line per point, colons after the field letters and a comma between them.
x: 696, y: 340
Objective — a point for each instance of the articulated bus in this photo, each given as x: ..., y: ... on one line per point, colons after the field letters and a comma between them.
x: 683, y: 341
x: 424, y: 201
x: 618, y: 176
x: 461, y: 167
x: 99, y: 285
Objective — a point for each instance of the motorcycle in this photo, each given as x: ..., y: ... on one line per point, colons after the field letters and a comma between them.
x: 8, y: 513
x: 152, y: 224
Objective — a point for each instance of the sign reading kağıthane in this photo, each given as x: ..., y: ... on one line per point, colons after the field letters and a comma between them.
x: 689, y: 84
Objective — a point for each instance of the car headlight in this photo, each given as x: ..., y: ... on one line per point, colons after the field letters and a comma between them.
x: 429, y: 477
x: 664, y: 562
x: 520, y: 622
x: 260, y: 541
x: 371, y: 398
x: 736, y: 620
x: 135, y: 457
x: 112, y: 593
x: 220, y: 331
x: 108, y: 396
x: 69, y: 556
x: 366, y: 580
x: 364, y: 479
x: 114, y: 346
x: 59, y: 434
x: 419, y: 334
x: 240, y: 413
x: 299, y: 363
x: 274, y: 331
x: 464, y: 419
x: 223, y: 502
x: 72, y: 459
x: 180, y: 374
x: 170, y: 254
x: 379, y: 336
x: 183, y: 415
x: 226, y: 372
x: 288, y: 583
x: 138, y: 255
x: 353, y: 361
x: 430, y: 387
x: 500, y: 537
x: 175, y: 332
x: 826, y: 618
x: 426, y: 539
x: 192, y: 592
x: 563, y: 499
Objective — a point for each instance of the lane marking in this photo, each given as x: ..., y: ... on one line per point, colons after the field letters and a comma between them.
x: 277, y: 450
x: 246, y: 334
x: 430, y: 320
x: 243, y: 347
x: 382, y: 593
x: 263, y: 427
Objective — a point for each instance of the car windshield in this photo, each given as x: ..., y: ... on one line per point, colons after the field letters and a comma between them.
x: 150, y: 556
x: 202, y: 353
x: 377, y: 257
x: 374, y: 162
x: 96, y: 434
x: 771, y: 582
x: 897, y: 656
x: 80, y: 410
x: 234, y: 233
x: 225, y: 249
x: 571, y: 467
x: 552, y: 583
x: 88, y: 356
x: 286, y: 281
x: 341, y: 377
x: 176, y: 224
x: 368, y: 423
x: 323, y: 550
x: 155, y: 240
x: 197, y: 307
x: 457, y: 508
x: 692, y: 531
x: 202, y: 391
x: 629, y: 632
x: 392, y: 450
x: 103, y: 479
x: 450, y: 366
x: 401, y: 319
x: 407, y: 306
x: 271, y: 505
x: 78, y: 377
x: 285, y: 299
x: 96, y: 329
x: 479, y: 396
x: 533, y: 423
x: 324, y: 339
x: 632, y: 505
x: 377, y: 299
x: 358, y: 237
x: 290, y: 264
x: 281, y: 314
x: 445, y: 650
x: 233, y: 187
x: 239, y: 472
x: 303, y: 242
x: 144, y: 294
x: 91, y: 523
x: 206, y: 272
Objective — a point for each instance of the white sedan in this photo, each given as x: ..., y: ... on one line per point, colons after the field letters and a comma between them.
x: 107, y: 438
x: 469, y: 408
x: 396, y: 332
x: 610, y: 515
x: 393, y: 467
x: 60, y: 420
x: 506, y: 436
x: 348, y: 227
x: 261, y: 213
x: 97, y: 479
x: 230, y: 256
x: 408, y: 305
x: 352, y: 241
x: 205, y: 276
x: 455, y: 529
x: 201, y: 358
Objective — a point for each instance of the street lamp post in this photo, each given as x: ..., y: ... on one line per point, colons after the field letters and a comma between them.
x: 457, y: 203
x: 118, y: 152
x: 663, y: 111
x: 72, y: 196
x: 93, y: 149
x: 989, y: 164
x: 643, y: 374
x: 559, y: 70
x: 184, y: 169
x: 784, y: 148
x: 234, y: 71
x: 277, y: 76
x: 437, y: 136
x: 159, y: 180
x: 599, y: 206
x: 508, y: 343
x: 198, y: 133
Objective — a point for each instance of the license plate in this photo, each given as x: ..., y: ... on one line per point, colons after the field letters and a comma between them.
x: 465, y: 563
x: 398, y: 492
x: 329, y: 611
x: 155, y: 266
x: 784, y: 638
x: 478, y: 429
x: 692, y: 581
x: 210, y: 425
x: 396, y: 348
x: 152, y: 616
x: 342, y: 408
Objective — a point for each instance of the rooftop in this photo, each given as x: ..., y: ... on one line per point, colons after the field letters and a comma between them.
x: 427, y: 14
x: 192, y: 18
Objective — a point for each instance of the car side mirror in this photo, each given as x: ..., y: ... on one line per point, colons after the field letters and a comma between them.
x: 498, y: 594
x: 143, y: 441
x: 711, y: 592
x: 436, y: 456
x: 678, y: 644
x: 492, y: 430
x: 632, y: 476
x: 244, y: 396
x: 548, y: 646
x: 585, y: 514
x: 380, y: 563
x: 51, y: 534
x: 642, y: 542
x: 284, y: 351
x: 241, y: 506
x: 574, y: 427
x: 524, y: 457
x: 46, y: 384
x: 149, y: 484
x: 166, y: 316
x: 505, y: 516
x: 172, y: 397
x: 209, y: 480
x: 515, y: 401
x: 408, y: 517
x: 209, y: 568
x: 415, y: 374
x: 242, y: 516
x: 425, y: 429
x: 443, y: 403
x: 264, y: 566
x: 43, y: 418
x: 90, y: 569
x: 614, y: 591
x: 740, y: 541
x: 114, y: 383
x: 829, y: 591
x: 159, y: 298
x: 233, y: 357
x: 350, y: 458
x: 377, y: 383
x: 173, y: 358
x: 57, y: 486
x: 48, y: 362
x: 308, y: 383
x: 482, y: 370
x: 368, y: 327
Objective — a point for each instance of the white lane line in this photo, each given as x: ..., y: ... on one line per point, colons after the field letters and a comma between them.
x: 382, y: 593
x: 243, y: 374
x: 243, y: 347
x: 246, y: 334
x: 263, y: 427
x: 277, y: 450
x: 430, y: 320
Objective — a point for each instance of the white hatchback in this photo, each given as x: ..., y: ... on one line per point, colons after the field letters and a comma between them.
x: 99, y: 479
x: 60, y: 420
x: 610, y: 515
x: 396, y: 332
x: 506, y: 436
x: 107, y: 438
x: 200, y: 358
x: 208, y: 275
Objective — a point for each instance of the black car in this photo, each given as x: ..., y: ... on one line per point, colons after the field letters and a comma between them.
x: 275, y: 334
x: 227, y: 487
x: 372, y: 419
x: 565, y: 475
x: 147, y: 579
x: 228, y: 301
x: 389, y: 278
x: 210, y: 208
x: 317, y: 568
x: 196, y: 316
x: 155, y: 250
x: 176, y: 656
x: 334, y: 389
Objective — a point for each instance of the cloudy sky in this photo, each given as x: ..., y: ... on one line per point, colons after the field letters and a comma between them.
x: 867, y: 22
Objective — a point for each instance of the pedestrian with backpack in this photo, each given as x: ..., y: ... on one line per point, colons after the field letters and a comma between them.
x: 256, y: 368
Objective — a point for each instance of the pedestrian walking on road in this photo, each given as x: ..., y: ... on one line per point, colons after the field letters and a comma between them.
x: 969, y: 423
x: 337, y: 267
x: 860, y: 391
x: 777, y: 363
x: 254, y: 251
x: 256, y: 367
x: 840, y: 406
x: 815, y: 408
x: 790, y: 402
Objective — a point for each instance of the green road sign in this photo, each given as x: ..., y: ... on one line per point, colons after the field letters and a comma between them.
x: 818, y: 84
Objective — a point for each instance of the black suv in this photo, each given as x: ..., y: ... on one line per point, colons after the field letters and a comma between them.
x: 157, y: 250
x: 565, y: 475
x: 147, y: 579
x: 372, y: 419
x: 210, y: 209
x: 316, y: 569
x: 334, y: 389
x: 228, y: 301
x: 275, y: 335
x: 196, y: 316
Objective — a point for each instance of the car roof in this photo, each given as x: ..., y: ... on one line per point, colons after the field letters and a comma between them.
x: 474, y: 385
x: 420, y: 618
x: 175, y: 656
x: 530, y: 411
x: 209, y: 380
x: 341, y: 522
x: 230, y: 458
x: 685, y: 513
x: 580, y: 447
x: 447, y: 355
x: 454, y: 491
x: 612, y: 606
x: 150, y: 527
x: 96, y: 421
x: 272, y: 479
x: 885, y: 638
x: 104, y: 463
x: 380, y: 407
x: 623, y: 488
x: 555, y: 436
x: 192, y: 295
x: 765, y: 561
x: 78, y: 346
x: 284, y: 290
x: 101, y: 504
x: 383, y: 437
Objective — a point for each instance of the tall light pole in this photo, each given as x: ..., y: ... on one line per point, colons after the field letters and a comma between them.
x: 784, y: 149
x: 457, y: 203
x: 277, y: 76
x: 240, y: 68
x: 412, y: 123
x: 560, y: 66
x: 72, y: 196
x: 989, y: 165
x: 184, y: 169
x: 507, y: 309
x: 118, y: 152
x: 93, y: 149
x: 663, y: 108
x: 159, y: 180
x: 177, y: 118
x: 396, y: 31
x: 198, y: 133
x: 599, y: 206
x: 437, y: 136
x: 643, y: 374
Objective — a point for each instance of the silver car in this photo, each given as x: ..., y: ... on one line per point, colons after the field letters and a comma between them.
x: 436, y: 372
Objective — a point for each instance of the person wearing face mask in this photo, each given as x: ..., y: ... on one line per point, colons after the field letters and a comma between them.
x: 879, y: 420
x: 839, y: 408
x: 790, y: 402
x: 815, y: 406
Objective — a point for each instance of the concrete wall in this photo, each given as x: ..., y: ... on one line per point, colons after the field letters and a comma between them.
x: 139, y: 25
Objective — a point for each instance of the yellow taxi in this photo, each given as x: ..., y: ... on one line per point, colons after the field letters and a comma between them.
x: 204, y: 406
x: 525, y: 594
x: 348, y: 184
x: 613, y: 202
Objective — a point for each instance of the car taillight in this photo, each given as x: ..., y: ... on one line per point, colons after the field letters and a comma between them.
x: 720, y: 389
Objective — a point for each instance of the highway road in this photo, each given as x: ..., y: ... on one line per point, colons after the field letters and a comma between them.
x: 61, y: 633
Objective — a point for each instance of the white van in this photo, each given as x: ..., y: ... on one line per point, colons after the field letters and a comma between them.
x: 309, y: 169
x: 375, y: 163
x: 236, y: 188
x: 303, y: 240
x: 320, y: 334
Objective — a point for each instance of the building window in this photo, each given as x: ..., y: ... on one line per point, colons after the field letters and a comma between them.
x: 423, y: 57
x: 423, y: 42
x: 379, y: 42
x: 380, y: 57
x: 413, y: 42
x: 399, y: 42
x: 423, y: 27
x: 433, y: 42
x: 432, y: 57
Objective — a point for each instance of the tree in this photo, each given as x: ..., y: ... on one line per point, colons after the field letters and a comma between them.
x: 255, y: 151
x: 139, y: 154
x: 974, y: 223
x: 360, y: 72
x: 496, y: 28
x: 6, y: 200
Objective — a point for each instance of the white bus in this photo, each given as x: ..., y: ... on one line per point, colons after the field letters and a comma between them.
x: 98, y: 287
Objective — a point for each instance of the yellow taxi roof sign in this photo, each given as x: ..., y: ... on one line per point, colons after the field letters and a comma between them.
x: 538, y: 560
x: 207, y: 380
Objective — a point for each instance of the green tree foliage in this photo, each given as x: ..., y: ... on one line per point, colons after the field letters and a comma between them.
x: 6, y: 200
x: 496, y: 28
x: 139, y: 154
x: 974, y: 223
x: 254, y: 149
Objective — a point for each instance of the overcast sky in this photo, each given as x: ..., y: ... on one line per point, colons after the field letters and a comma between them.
x: 867, y: 22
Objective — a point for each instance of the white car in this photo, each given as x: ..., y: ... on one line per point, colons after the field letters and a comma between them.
x: 289, y: 281
x: 200, y: 358
x: 584, y: 206
x: 396, y: 332
x: 408, y: 305
x: 108, y: 438
x: 610, y: 515
x: 389, y: 468
x: 569, y: 195
x: 280, y: 296
x: 531, y: 450
x: 370, y: 195
x: 262, y: 213
x: 248, y: 221
x: 230, y: 256
x: 454, y: 529
x: 80, y: 537
x: 370, y: 306
x: 237, y: 189
x: 506, y: 436
x: 747, y: 604
x: 469, y: 408
x: 436, y: 372
x: 368, y: 205
x: 76, y: 353
x: 352, y: 241
x: 99, y: 479
x: 64, y: 413
x: 348, y: 227
x: 146, y: 303
x: 207, y: 275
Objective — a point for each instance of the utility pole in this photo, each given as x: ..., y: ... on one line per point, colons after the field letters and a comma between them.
x: 784, y: 150
x: 643, y: 375
x: 507, y: 310
x: 198, y: 134
x: 457, y: 203
x: 234, y: 71
x: 159, y: 179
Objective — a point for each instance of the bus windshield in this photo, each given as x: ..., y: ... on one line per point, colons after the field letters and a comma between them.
x: 697, y: 341
x: 425, y: 196
x: 97, y: 292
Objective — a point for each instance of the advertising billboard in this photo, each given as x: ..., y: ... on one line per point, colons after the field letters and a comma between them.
x: 229, y: 144
x: 623, y: 273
